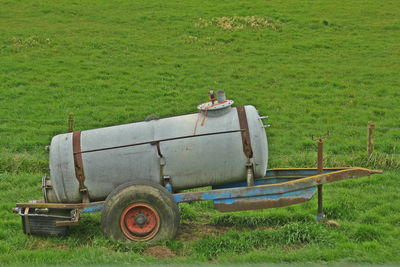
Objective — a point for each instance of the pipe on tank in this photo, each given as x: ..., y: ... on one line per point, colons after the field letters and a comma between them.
x: 221, y: 96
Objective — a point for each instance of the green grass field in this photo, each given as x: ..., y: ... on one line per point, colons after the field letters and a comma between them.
x: 312, y: 66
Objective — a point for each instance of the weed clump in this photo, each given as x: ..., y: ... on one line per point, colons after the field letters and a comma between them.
x: 236, y: 23
x: 191, y: 39
x: 31, y: 41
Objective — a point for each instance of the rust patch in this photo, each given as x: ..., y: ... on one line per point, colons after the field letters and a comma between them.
x: 260, y: 204
x: 76, y: 144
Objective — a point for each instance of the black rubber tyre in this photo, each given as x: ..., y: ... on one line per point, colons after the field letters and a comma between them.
x: 151, y: 197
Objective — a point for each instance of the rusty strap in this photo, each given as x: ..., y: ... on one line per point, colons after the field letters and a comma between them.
x: 80, y: 175
x: 245, y: 133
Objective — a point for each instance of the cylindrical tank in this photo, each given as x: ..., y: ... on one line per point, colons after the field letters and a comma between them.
x: 188, y: 151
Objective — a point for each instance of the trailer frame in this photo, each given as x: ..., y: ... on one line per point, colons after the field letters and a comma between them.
x: 278, y: 188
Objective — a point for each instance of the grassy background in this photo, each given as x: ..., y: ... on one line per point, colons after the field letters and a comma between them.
x: 312, y: 66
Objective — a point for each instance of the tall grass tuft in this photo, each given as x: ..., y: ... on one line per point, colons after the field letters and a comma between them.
x: 268, y: 220
x: 298, y: 233
x: 236, y: 242
x: 187, y: 212
x: 22, y: 162
x: 364, y: 233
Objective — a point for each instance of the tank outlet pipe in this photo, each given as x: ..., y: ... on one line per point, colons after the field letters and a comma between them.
x: 221, y: 96
x: 263, y: 118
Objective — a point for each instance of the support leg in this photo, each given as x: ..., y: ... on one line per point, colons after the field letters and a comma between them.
x: 321, y: 215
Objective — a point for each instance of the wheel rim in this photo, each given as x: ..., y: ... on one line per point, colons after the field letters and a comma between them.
x: 140, y: 222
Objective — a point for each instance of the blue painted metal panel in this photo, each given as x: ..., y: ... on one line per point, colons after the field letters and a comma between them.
x: 234, y: 192
x: 92, y: 209
x: 305, y: 193
x: 264, y: 202
x: 277, y: 188
x: 263, y: 181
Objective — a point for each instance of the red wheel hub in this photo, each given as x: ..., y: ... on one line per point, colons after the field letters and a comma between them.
x: 140, y: 222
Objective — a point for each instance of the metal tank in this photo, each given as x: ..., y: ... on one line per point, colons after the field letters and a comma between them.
x: 220, y: 144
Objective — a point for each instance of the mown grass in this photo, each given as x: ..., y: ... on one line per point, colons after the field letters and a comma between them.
x: 312, y: 66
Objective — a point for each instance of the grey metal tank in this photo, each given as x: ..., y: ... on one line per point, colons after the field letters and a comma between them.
x: 195, y: 150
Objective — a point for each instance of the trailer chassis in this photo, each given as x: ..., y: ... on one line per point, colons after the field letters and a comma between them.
x: 278, y: 188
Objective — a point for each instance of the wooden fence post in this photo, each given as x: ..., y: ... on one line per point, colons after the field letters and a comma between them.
x: 71, y: 122
x: 370, y: 137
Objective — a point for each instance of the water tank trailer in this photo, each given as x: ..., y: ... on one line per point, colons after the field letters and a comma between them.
x: 135, y: 173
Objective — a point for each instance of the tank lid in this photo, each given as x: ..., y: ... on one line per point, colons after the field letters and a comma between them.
x: 215, y: 106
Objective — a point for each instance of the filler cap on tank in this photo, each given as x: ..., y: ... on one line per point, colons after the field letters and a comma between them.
x: 216, y: 103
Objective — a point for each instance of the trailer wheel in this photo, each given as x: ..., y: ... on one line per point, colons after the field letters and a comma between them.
x: 140, y: 211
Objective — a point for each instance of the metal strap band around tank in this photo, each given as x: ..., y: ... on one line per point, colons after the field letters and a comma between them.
x: 161, y: 160
x: 246, y: 133
x: 80, y: 175
x: 246, y: 144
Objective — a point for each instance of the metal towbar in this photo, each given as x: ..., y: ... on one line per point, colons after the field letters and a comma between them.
x: 280, y: 188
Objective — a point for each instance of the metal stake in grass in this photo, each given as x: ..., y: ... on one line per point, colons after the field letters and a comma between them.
x: 370, y: 138
x: 321, y: 216
x: 71, y: 122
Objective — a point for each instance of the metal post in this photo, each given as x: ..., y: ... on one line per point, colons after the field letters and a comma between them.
x: 320, y: 215
x: 370, y: 137
x: 71, y: 122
